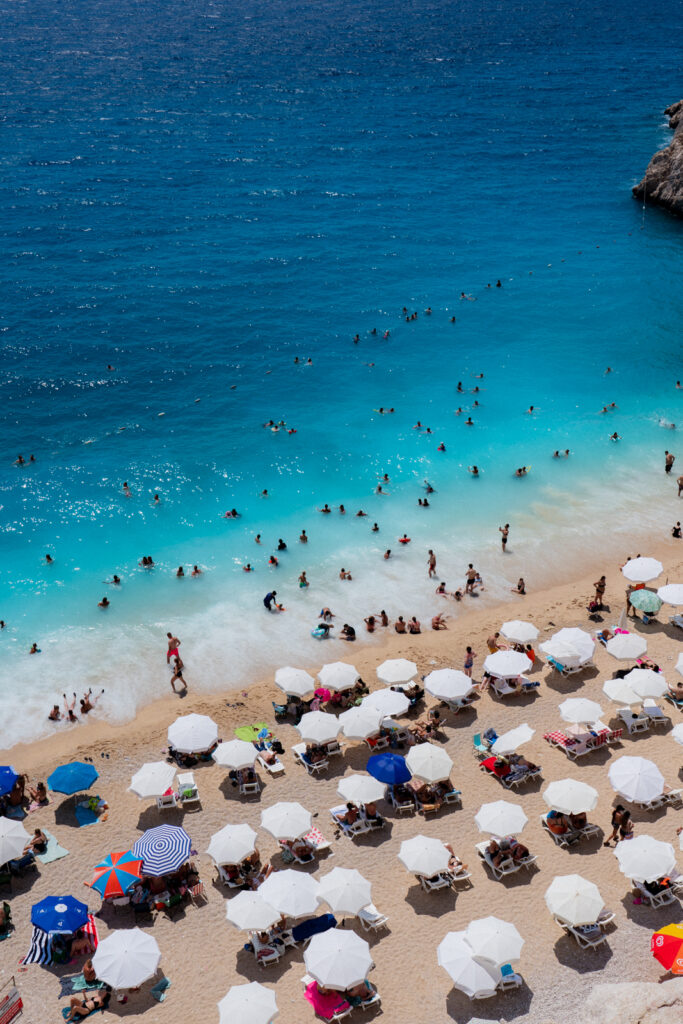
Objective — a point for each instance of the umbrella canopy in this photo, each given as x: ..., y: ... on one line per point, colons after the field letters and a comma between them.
x: 72, y: 778
x: 621, y: 693
x: 677, y: 734
x: 318, y: 727
x: 422, y: 855
x: 338, y: 675
x: 232, y: 844
x: 577, y: 638
x: 519, y: 632
x: 286, y: 820
x: 666, y: 945
x: 454, y: 954
x: 505, y: 664
x: 397, y: 670
x: 563, y: 653
x: 116, y: 874
x: 574, y: 899
x: 647, y: 683
x: 642, y: 570
x: 8, y: 777
x: 389, y: 702
x: 345, y: 890
x: 153, y: 779
x: 192, y: 733
x: 63, y: 914
x: 360, y: 722
x: 163, y: 849
x: 291, y: 892
x: 672, y: 593
x: 448, y: 684
x: 429, y: 763
x: 295, y: 681
x: 580, y: 709
x: 249, y: 912
x: 361, y: 789
x: 338, y: 959
x: 645, y: 859
x: 494, y: 941
x: 646, y: 601
x: 500, y: 818
x: 126, y: 958
x: 636, y: 779
x: 235, y: 754
x: 513, y: 738
x: 679, y: 664
x: 626, y: 646
x: 389, y: 768
x: 251, y: 1003
x: 13, y: 839
x: 570, y: 797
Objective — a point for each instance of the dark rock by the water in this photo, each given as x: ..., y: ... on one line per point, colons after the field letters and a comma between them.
x: 663, y: 181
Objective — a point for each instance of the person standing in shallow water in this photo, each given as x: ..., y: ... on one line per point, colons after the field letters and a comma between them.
x: 504, y: 533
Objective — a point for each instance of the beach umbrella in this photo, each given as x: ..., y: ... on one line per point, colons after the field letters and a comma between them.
x: 570, y: 797
x: 646, y: 601
x: 672, y: 593
x: 580, y: 709
x: 429, y: 763
x: 338, y: 675
x: 72, y: 778
x: 126, y: 958
x: 13, y: 839
x: 513, y: 738
x: 318, y: 727
x: 494, y: 941
x: 163, y: 849
x: 519, y: 632
x: 454, y: 954
x: 345, y: 890
x: 64, y: 914
x: 677, y: 734
x: 389, y: 702
x: 323, y: 693
x: 636, y: 779
x: 626, y: 646
x: 286, y: 820
x: 232, y: 844
x: 505, y: 664
x: 192, y: 733
x: 153, y: 779
x: 338, y: 959
x: 578, y: 639
x: 666, y: 945
x: 679, y: 664
x: 621, y: 693
x: 8, y: 777
x: 574, y: 899
x: 389, y: 768
x: 251, y: 1003
x: 397, y: 670
x: 295, y: 681
x: 361, y: 789
x: 293, y: 893
x: 360, y: 722
x: 448, y: 684
x: 563, y: 653
x: 249, y: 912
x: 235, y: 754
x: 642, y: 570
x: 116, y: 874
x: 422, y: 855
x: 500, y: 818
x: 645, y: 859
x: 647, y: 683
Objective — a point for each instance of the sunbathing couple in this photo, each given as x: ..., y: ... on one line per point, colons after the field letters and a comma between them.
x: 506, y: 850
x: 430, y: 797
x: 366, y: 812
x: 567, y: 825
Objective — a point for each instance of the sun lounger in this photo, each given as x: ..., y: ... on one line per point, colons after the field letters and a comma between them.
x: 660, y: 899
x: 443, y: 880
x: 167, y: 801
x: 515, y: 779
x: 605, y: 917
x: 187, y: 789
x: 330, y: 1006
x: 275, y: 767
x: 506, y: 867
x: 406, y: 806
x: 252, y: 788
x: 561, y: 839
x: 458, y: 705
x: 371, y: 919
x: 232, y: 883
x: 377, y: 742
x: 509, y: 979
x: 654, y: 713
x: 675, y: 701
x: 633, y: 722
x: 265, y: 952
x: 588, y: 936
x: 481, y: 748
x: 332, y: 748
x: 299, y: 751
x: 316, y: 840
x: 359, y: 826
x: 676, y: 620
x: 565, y: 670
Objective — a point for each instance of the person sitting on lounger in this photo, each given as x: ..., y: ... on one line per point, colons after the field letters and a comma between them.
x: 351, y: 815
x: 559, y: 825
x: 429, y: 798
x: 314, y: 754
x: 499, y: 850
x: 372, y: 814
x: 91, y: 1001
x: 402, y: 794
x: 519, y: 851
x: 360, y: 993
x: 89, y: 972
x: 454, y: 863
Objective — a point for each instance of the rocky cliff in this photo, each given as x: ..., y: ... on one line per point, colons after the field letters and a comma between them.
x: 635, y: 1003
x: 663, y: 181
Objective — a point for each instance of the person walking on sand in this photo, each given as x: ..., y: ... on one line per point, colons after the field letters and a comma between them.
x: 469, y: 661
x: 600, y: 587
x: 178, y: 674
x: 504, y: 534
x: 669, y: 459
x: 431, y: 564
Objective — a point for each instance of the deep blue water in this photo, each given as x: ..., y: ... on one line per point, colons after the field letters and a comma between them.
x: 198, y: 193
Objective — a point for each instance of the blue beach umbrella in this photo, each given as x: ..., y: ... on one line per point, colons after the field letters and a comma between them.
x: 72, y: 778
x: 8, y: 777
x: 389, y: 768
x: 162, y: 850
x: 59, y: 914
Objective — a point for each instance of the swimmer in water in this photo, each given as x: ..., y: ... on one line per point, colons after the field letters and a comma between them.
x: 325, y: 509
x: 20, y: 461
x: 49, y: 559
x: 387, y: 554
x: 35, y: 649
x: 469, y: 422
x: 375, y: 528
x: 342, y: 510
x: 405, y: 539
x: 360, y: 513
x: 452, y: 320
x: 247, y: 567
x: 608, y: 370
x: 264, y: 492
x: 679, y: 385
x: 380, y: 490
x: 232, y: 514
x: 180, y: 572
x: 344, y: 574
x: 157, y: 499
x: 303, y: 539
x: 530, y: 409
x: 614, y: 437
x: 385, y: 335
x: 273, y: 561
x: 522, y: 471
x: 556, y: 454
x: 126, y: 489
x: 303, y: 582
x: 104, y: 603
x: 257, y: 538
x: 459, y: 388
x: 428, y: 487
x: 441, y: 448
x: 196, y: 571
x: 115, y: 580
x: 474, y: 470
x: 459, y: 411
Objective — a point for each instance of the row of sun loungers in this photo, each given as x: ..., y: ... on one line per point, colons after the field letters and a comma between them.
x: 574, y: 748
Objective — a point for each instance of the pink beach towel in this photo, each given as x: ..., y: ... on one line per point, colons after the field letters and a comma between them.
x: 325, y: 1004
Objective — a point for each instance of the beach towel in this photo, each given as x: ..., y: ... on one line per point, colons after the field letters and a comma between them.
x: 160, y: 990
x: 39, y: 951
x: 325, y: 1004
x: 313, y: 926
x: 36, y: 805
x: 90, y: 929
x: 85, y: 816
x: 77, y: 983
x: 316, y: 839
x: 54, y: 850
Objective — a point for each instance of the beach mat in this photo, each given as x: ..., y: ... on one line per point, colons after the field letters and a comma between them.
x: 160, y: 990
x: 54, y: 850
x: 77, y: 983
x: 85, y: 816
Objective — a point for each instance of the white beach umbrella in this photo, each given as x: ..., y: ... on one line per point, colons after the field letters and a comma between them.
x: 361, y: 789
x: 672, y: 593
x: 318, y: 727
x: 153, y: 779
x: 580, y: 709
x: 126, y: 958
x: 620, y: 692
x: 519, y: 632
x: 579, y: 639
x: 574, y: 899
x: 389, y: 702
x: 338, y: 676
x: 642, y: 570
x: 345, y: 890
x: 360, y: 722
x: 338, y: 959
x: 494, y: 941
x: 645, y: 859
x: 636, y: 779
x: 506, y: 664
x: 295, y: 681
x: 286, y: 820
x: 500, y: 818
x: 192, y: 733
x: 397, y: 670
x: 249, y: 912
x: 429, y: 763
x: 564, y: 653
x: 626, y: 646
x: 677, y: 735
x: 679, y: 664
x: 251, y: 1003
x: 570, y: 797
x: 467, y: 974
x: 448, y: 684
x: 293, y: 893
x: 422, y: 855
x: 513, y: 738
x: 235, y: 754
x: 232, y: 844
x: 647, y: 683
x: 13, y: 839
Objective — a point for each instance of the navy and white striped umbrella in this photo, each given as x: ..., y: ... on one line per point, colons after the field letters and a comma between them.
x: 163, y: 849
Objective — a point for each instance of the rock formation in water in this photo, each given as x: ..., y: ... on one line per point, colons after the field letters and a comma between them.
x: 663, y: 181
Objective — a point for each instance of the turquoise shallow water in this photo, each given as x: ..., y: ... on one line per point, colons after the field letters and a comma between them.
x: 198, y: 194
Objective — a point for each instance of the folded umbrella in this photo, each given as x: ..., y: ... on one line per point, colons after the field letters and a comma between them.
x: 126, y: 958
x: 72, y: 778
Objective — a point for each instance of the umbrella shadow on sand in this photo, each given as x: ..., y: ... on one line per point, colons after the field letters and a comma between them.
x: 247, y: 966
x: 569, y: 684
x: 650, y: 918
x: 65, y: 814
x: 431, y: 904
x: 583, y: 961
x: 152, y: 816
x: 231, y: 792
x: 505, y: 1006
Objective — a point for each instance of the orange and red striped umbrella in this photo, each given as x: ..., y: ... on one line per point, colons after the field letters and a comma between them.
x: 666, y: 946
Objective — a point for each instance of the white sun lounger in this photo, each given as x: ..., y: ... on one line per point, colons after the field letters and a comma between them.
x: 274, y: 768
x: 371, y: 919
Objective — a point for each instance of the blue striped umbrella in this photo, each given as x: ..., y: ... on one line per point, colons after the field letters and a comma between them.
x: 8, y: 777
x: 163, y: 849
x: 72, y: 778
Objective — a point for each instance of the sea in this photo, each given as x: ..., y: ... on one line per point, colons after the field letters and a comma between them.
x: 196, y: 195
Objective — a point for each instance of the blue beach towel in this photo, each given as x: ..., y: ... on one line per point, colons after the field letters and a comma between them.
x: 160, y: 990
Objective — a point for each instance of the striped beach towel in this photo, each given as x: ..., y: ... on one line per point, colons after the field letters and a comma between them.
x: 90, y: 929
x: 560, y: 738
x: 39, y: 950
x: 316, y: 839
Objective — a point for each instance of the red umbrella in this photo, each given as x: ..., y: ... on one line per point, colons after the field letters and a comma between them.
x: 116, y: 874
x: 666, y: 945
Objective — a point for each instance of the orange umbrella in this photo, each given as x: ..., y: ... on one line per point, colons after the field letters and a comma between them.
x: 666, y: 945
